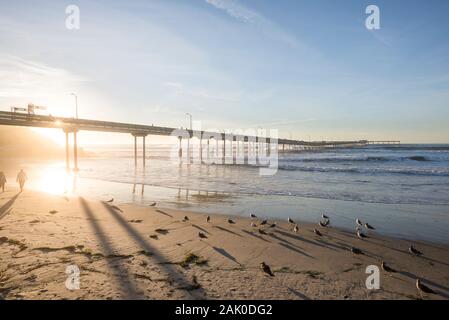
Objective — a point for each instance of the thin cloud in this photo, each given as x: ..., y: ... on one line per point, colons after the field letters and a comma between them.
x: 246, y: 15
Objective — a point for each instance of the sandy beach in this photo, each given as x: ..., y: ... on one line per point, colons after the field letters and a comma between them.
x: 126, y: 251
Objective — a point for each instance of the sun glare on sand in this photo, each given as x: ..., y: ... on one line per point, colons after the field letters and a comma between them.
x: 55, y: 180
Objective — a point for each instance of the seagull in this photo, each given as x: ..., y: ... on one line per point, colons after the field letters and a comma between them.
x: 414, y: 251
x: 290, y: 220
x: 387, y: 268
x: 264, y: 222
x: 323, y: 224
x: 266, y: 268
x: 422, y: 288
x: 230, y: 221
x: 359, y: 222
x: 153, y: 204
x: 368, y: 226
x: 361, y: 235
x: 202, y: 235
x: 208, y: 219
x: 324, y: 216
x: 110, y: 201
x: 355, y: 250
x: 253, y: 225
x: 296, y: 229
x: 252, y: 215
x: 317, y: 232
x: 186, y: 218
x: 272, y: 225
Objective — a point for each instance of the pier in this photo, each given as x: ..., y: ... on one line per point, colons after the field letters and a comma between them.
x: 71, y: 126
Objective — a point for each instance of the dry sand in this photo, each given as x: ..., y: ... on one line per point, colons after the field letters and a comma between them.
x: 136, y: 252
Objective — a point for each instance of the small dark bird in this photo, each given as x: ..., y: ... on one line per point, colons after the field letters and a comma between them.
x: 355, y: 250
x: 324, y: 216
x: 153, y: 204
x: 186, y: 218
x: 358, y: 222
x: 370, y: 227
x: 422, y: 288
x: 261, y: 231
x: 361, y: 235
x: 290, y: 220
x: 272, y: 225
x: 252, y: 215
x: 317, y: 232
x: 208, y: 219
x: 266, y: 268
x: 296, y: 228
x: 202, y: 235
x: 264, y: 222
x: 231, y: 221
x: 414, y: 251
x: 110, y: 201
x: 387, y: 268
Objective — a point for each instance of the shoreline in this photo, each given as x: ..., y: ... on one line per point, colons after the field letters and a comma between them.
x: 141, y: 252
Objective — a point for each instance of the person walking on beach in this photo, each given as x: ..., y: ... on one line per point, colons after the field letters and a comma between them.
x: 21, y: 178
x: 2, y: 181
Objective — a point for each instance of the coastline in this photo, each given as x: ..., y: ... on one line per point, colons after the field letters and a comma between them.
x: 141, y: 252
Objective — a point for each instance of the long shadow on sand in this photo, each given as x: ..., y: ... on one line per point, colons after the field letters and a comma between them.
x: 6, y: 208
x: 254, y: 235
x: 227, y: 230
x: 122, y: 277
x: 226, y: 254
x: 170, y: 270
x: 434, y: 284
x: 298, y: 294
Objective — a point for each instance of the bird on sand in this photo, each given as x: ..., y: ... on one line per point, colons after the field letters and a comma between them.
x: 317, y: 233
x: 253, y: 224
x: 264, y: 222
x: 290, y: 220
x: 110, y: 201
x: 231, y: 221
x: 202, y: 235
x: 387, y: 268
x: 296, y: 228
x: 361, y: 235
x: 186, y: 218
x: 324, y: 224
x: 252, y: 215
x: 272, y: 225
x: 266, y: 268
x: 414, y: 251
x: 369, y: 227
x: 355, y: 250
x: 153, y: 204
x: 208, y: 219
x: 323, y: 216
x: 358, y: 222
x: 423, y: 288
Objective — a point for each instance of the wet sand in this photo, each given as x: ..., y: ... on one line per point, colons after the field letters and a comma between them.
x: 126, y: 251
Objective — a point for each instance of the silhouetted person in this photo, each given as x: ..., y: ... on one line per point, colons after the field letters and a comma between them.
x: 21, y: 178
x: 2, y: 181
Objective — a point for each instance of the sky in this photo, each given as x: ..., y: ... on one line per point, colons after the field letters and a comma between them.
x: 310, y: 69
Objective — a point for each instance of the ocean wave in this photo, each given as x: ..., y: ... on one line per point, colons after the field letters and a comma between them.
x: 418, y: 158
x: 402, y: 171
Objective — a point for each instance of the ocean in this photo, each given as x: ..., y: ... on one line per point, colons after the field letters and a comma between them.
x: 402, y: 190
